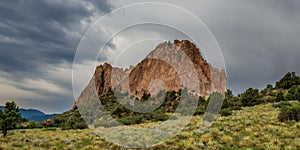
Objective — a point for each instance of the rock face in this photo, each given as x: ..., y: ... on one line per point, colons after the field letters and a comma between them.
x: 158, y: 71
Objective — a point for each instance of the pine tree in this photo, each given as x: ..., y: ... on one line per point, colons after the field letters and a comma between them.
x: 9, y: 117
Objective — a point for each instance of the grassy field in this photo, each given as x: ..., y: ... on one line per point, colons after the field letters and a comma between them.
x: 251, y: 128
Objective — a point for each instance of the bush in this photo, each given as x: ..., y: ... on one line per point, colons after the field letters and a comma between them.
x: 214, y: 132
x: 214, y: 103
x: 227, y: 103
x: 289, y: 113
x: 268, y: 91
x: 280, y: 96
x: 282, y: 104
x: 226, y: 112
x: 294, y: 93
x: 104, y: 123
x: 32, y: 125
x: 131, y: 120
x: 80, y: 125
x: 251, y: 97
x: 236, y: 108
x: 288, y: 81
x: 228, y: 94
x: 49, y: 129
x: 200, y: 110
x: 227, y: 140
x: 160, y: 117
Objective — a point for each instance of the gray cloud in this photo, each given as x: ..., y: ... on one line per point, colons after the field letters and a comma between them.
x: 38, y: 40
x: 44, y: 31
x: 258, y: 39
x: 38, y: 36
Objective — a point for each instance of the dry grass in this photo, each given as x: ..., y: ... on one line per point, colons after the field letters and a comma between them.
x: 250, y: 128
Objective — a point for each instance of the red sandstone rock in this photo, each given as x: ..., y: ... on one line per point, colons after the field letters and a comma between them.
x: 137, y: 80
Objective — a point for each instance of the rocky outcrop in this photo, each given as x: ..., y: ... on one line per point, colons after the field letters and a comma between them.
x: 163, y: 68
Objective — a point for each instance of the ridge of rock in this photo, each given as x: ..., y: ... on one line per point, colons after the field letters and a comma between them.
x: 137, y: 80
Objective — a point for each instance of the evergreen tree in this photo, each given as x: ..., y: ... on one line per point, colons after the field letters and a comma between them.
x: 288, y: 81
x: 268, y: 90
x: 294, y: 93
x: 228, y: 94
x: 9, y: 117
x: 280, y: 96
x: 251, y: 97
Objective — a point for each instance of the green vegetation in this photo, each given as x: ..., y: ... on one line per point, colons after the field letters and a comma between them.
x: 9, y: 117
x: 251, y: 97
x: 68, y: 120
x: 282, y: 104
x: 125, y: 116
x: 280, y: 96
x: 49, y: 129
x: 288, y: 81
x: 294, y: 93
x: 288, y: 113
x: 268, y: 91
x: 251, y: 128
x: 120, y: 113
x: 32, y: 125
x: 267, y: 119
x: 226, y: 112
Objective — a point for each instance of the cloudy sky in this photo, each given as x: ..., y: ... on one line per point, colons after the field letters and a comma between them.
x: 259, y: 41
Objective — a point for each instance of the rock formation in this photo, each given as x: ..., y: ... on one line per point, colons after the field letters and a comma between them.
x: 152, y: 75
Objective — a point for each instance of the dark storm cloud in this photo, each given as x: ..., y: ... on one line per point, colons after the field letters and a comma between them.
x: 37, y: 36
x: 38, y: 40
x: 259, y: 39
x: 42, y: 31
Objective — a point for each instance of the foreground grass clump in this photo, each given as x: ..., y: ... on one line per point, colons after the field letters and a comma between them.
x: 258, y: 127
x: 255, y: 127
x: 288, y: 113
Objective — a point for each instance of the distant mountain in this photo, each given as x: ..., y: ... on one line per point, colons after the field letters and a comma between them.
x: 33, y: 114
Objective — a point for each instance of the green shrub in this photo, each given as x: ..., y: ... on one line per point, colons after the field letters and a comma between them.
x: 200, y: 110
x: 57, y: 121
x: 270, y: 99
x: 226, y: 112
x: 130, y: 120
x: 214, y: 103
x: 234, y: 103
x: 282, y: 104
x: 173, y: 117
x: 288, y: 81
x: 251, y: 97
x: 172, y: 95
x: 80, y: 125
x: 294, y: 93
x: 226, y: 103
x: 236, y: 108
x: 104, y: 123
x: 289, y: 113
x: 32, y: 125
x: 268, y: 91
x: 49, y: 129
x: 201, y: 100
x: 214, y: 132
x: 160, y: 117
x: 280, y: 96
x: 66, y: 127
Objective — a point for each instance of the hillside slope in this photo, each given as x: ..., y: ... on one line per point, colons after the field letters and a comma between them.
x: 250, y: 128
